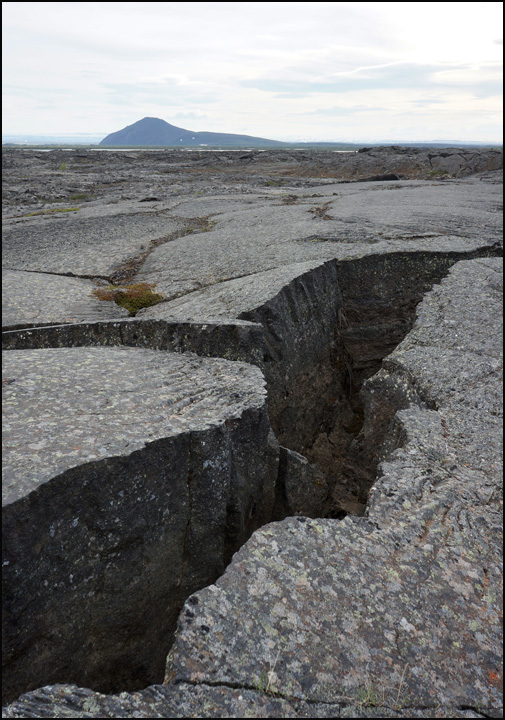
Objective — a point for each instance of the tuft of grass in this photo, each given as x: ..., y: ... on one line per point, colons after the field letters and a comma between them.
x: 267, y: 679
x: 370, y: 696
x: 63, y: 166
x: 375, y: 695
x: 131, y: 297
x: 208, y: 225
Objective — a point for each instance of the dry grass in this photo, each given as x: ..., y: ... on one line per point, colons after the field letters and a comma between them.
x: 132, y: 297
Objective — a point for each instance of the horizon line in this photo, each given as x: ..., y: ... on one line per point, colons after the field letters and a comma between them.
x: 65, y: 137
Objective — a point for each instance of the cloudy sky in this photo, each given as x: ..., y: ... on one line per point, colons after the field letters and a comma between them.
x: 362, y: 71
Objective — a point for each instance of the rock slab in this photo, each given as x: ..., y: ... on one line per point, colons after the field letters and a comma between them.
x: 124, y: 468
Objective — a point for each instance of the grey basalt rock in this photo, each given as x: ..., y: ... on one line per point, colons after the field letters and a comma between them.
x: 124, y: 468
x: 389, y: 615
x: 207, y: 701
x: 161, y: 702
x: 405, y: 603
x: 51, y: 299
x: 458, y: 162
x: 88, y: 244
x: 238, y: 340
x: 461, y: 337
x: 252, y: 243
x: 118, y: 176
x: 249, y: 240
x: 302, y: 487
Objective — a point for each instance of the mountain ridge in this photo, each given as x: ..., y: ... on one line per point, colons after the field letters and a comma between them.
x: 153, y: 131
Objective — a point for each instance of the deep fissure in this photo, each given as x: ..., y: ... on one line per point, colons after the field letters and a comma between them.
x: 364, y: 308
x: 379, y: 300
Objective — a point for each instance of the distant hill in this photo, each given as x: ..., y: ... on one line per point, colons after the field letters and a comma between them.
x: 153, y: 131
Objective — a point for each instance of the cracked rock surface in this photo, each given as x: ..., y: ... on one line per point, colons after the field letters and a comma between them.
x: 159, y: 215
x: 396, y: 614
x: 406, y: 600
x: 123, y: 468
x: 135, y: 470
x: 110, y: 401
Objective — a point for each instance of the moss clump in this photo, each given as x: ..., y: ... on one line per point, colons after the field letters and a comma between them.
x: 439, y: 173
x: 50, y: 211
x: 132, y: 297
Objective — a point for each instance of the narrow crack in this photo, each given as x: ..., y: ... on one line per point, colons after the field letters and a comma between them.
x: 79, y: 276
x: 482, y: 712
x: 126, y: 271
x: 314, y: 396
x: 340, y: 703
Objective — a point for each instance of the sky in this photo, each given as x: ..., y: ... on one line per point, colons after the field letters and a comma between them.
x: 327, y: 71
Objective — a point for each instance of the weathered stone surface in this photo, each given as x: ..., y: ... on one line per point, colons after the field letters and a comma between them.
x: 456, y: 161
x: 129, y: 478
x: 205, y: 701
x: 95, y: 245
x: 393, y: 615
x: 314, y: 289
x: 233, y: 340
x: 31, y: 298
x: 33, y: 179
x: 248, y: 230
x: 407, y: 600
x: 456, y: 337
x: 56, y: 398
x: 302, y: 487
x: 159, y: 701
x: 250, y: 239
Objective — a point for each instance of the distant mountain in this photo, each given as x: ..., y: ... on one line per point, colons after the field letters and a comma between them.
x: 153, y: 131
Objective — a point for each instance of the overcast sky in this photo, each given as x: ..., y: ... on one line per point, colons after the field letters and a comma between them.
x: 363, y: 71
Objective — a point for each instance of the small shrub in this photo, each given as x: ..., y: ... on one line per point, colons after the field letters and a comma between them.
x: 132, y: 297
x: 63, y: 166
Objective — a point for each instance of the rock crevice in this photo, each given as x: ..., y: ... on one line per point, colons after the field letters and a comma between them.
x: 308, y: 355
x: 152, y: 455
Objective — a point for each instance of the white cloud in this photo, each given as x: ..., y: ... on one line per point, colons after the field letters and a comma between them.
x: 471, y: 75
x: 257, y: 68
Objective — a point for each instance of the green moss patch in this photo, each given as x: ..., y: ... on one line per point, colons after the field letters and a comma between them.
x: 51, y: 210
x: 439, y: 173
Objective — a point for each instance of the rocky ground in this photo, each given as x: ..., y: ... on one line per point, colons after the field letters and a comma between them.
x: 326, y: 356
